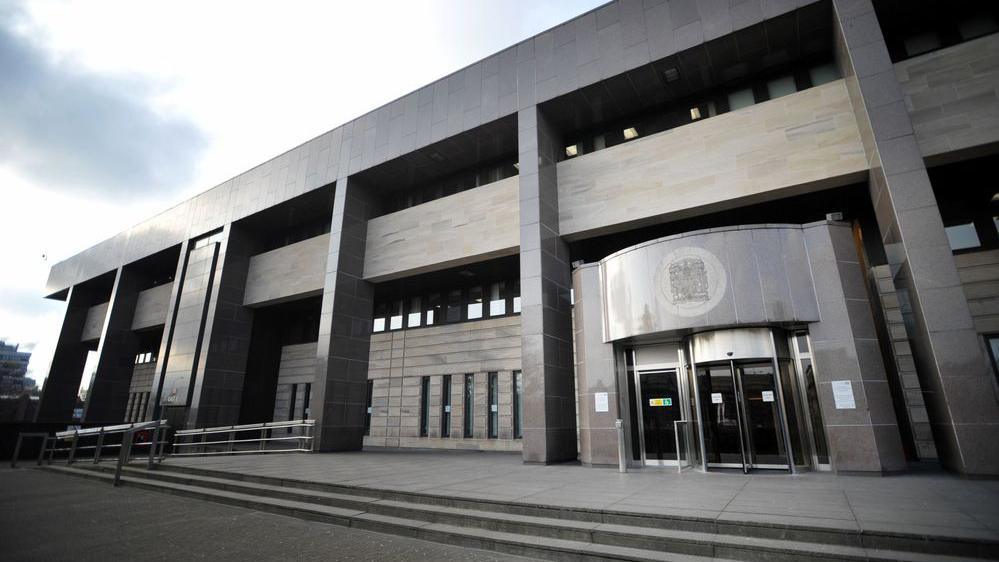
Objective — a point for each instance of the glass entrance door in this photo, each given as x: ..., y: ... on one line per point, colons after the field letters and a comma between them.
x: 661, y: 406
x: 743, y: 421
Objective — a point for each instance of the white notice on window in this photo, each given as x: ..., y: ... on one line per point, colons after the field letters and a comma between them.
x: 600, y: 402
x: 447, y: 409
x: 768, y: 396
x: 843, y: 395
x: 716, y: 398
x: 493, y: 408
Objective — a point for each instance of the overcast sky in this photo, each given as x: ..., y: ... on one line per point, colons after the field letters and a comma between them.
x: 111, y: 111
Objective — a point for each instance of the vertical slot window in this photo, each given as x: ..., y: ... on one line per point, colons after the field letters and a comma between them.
x: 469, y: 399
x: 515, y: 296
x: 434, y: 309
x: 424, y: 406
x: 395, y: 321
x: 497, y: 299
x: 518, y: 404
x: 493, y: 406
x: 474, y: 305
x: 381, y: 314
x: 415, y: 313
x: 453, y: 312
x: 367, y: 417
x: 446, y: 406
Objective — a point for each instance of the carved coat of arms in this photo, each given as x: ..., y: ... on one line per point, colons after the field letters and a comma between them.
x: 688, y: 281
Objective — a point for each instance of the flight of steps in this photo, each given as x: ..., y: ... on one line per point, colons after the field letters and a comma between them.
x: 548, y: 532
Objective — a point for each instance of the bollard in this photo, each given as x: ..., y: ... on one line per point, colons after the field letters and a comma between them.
x: 622, y: 461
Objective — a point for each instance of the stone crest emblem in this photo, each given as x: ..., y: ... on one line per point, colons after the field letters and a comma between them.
x: 691, y: 281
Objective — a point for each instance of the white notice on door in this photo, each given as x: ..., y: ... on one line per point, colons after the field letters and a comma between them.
x: 600, y: 402
x: 716, y: 398
x: 843, y: 395
x: 768, y: 396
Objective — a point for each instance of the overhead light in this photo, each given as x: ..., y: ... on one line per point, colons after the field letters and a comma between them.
x: 516, y: 165
x: 695, y: 113
x: 572, y: 150
x: 672, y: 74
x: 630, y: 133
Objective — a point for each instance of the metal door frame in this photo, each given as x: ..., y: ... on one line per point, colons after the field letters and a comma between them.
x: 682, y: 396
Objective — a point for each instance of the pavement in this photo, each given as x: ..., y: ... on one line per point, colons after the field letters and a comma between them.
x: 48, y: 516
x: 930, y: 503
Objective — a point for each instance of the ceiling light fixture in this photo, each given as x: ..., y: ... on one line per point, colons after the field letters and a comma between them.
x: 630, y: 133
x: 695, y: 113
x: 672, y: 74
x: 571, y: 150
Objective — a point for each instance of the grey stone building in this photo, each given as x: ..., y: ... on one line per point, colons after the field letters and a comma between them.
x: 762, y: 234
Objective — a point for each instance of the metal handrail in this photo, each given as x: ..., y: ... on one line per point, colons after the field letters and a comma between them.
x: 227, y: 446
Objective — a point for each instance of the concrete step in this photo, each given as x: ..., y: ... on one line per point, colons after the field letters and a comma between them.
x: 373, y: 510
x: 872, y: 541
x: 472, y: 537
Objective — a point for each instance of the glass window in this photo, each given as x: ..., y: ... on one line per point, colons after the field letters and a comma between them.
x: 415, y: 313
x: 446, y: 406
x: 424, y: 406
x: 977, y: 26
x: 781, y: 87
x: 518, y: 404
x: 433, y: 308
x: 493, y: 406
x: 467, y: 406
x: 740, y: 99
x: 993, y: 342
x: 962, y: 236
x: 395, y: 321
x: 453, y: 313
x: 367, y: 417
x: 823, y: 73
x: 497, y: 299
x: 921, y: 43
x: 515, y: 294
x: 381, y: 312
x: 474, y: 303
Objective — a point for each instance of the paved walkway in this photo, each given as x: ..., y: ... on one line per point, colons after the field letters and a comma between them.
x: 48, y: 516
x: 931, y: 504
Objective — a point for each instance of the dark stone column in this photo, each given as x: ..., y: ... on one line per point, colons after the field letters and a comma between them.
x: 108, y: 395
x: 339, y: 395
x: 950, y: 357
x: 546, y: 345
x: 225, y: 345
x: 61, y: 386
x: 153, y: 410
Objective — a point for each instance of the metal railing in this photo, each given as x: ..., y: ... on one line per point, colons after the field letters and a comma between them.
x: 73, y: 441
x: 244, y: 439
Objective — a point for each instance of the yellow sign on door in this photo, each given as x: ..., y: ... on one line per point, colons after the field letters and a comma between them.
x: 660, y: 402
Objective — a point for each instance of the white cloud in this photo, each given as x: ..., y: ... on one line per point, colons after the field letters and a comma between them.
x: 255, y: 78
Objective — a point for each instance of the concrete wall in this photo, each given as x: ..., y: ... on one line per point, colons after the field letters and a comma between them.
x: 151, y: 308
x: 952, y: 96
x: 298, y: 366
x: 294, y: 271
x: 804, y: 140
x: 470, y: 226
x: 979, y: 273
x: 399, y: 359
x: 94, y: 324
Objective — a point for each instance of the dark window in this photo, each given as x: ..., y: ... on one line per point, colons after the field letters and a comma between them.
x: 467, y: 406
x: 415, y: 313
x: 915, y: 28
x: 992, y: 341
x: 497, y: 299
x: 493, y: 406
x: 474, y: 303
x: 305, y: 400
x: 434, y: 310
x: 453, y: 313
x: 424, y: 406
x: 518, y: 404
x: 291, y: 402
x: 446, y: 406
x: 381, y: 317
x: 969, y: 203
x: 395, y: 320
x: 367, y: 417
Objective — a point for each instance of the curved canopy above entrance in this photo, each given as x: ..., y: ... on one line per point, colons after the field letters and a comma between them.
x: 757, y: 274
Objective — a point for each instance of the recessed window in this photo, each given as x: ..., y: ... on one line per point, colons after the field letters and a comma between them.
x: 415, y: 313
x: 474, y: 303
x: 781, y: 87
x: 740, y: 99
x: 823, y: 74
x: 424, y: 406
x: 630, y: 133
x: 493, y: 393
x: 395, y: 321
x: 922, y: 43
x: 977, y: 26
x: 518, y: 404
x: 497, y: 299
x: 993, y: 342
x: 572, y: 150
x: 962, y: 236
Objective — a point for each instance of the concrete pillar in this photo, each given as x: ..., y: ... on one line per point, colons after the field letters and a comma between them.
x: 61, y: 386
x: 340, y: 390
x: 845, y: 348
x: 108, y: 394
x: 950, y: 359
x: 225, y: 345
x: 546, y: 341
x: 594, y: 371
